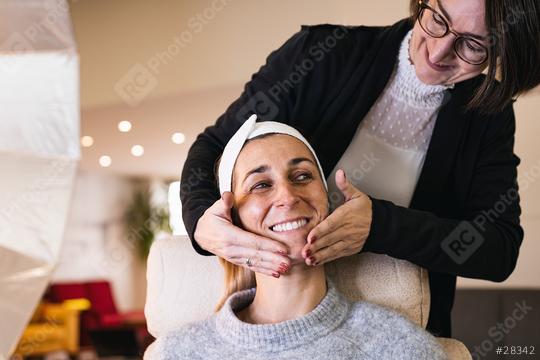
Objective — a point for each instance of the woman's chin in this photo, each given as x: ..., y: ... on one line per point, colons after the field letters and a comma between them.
x: 426, y: 76
x: 429, y: 76
x: 291, y: 239
x: 295, y: 241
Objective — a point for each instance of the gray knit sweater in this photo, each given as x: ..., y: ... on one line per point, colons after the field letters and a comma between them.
x: 336, y: 329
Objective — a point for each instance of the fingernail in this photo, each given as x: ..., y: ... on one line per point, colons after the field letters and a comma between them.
x: 281, y: 252
x: 312, y: 259
x: 284, y: 265
x: 313, y: 238
x: 316, y: 263
x: 276, y: 275
x: 308, y: 253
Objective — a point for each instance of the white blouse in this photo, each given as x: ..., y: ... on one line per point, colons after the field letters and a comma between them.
x: 386, y: 154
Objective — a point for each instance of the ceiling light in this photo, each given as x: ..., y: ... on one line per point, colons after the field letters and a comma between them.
x: 124, y: 126
x: 87, y: 141
x: 105, y: 161
x: 137, y: 150
x: 178, y: 138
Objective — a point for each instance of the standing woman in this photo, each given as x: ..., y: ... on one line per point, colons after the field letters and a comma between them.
x: 408, y: 115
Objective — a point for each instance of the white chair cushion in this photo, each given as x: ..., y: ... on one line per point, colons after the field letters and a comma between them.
x: 182, y: 286
x: 396, y: 284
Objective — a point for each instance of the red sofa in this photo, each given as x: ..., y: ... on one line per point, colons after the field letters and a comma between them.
x: 103, y: 313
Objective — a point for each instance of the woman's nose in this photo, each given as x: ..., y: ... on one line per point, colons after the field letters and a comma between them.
x: 286, y: 195
x: 442, y: 49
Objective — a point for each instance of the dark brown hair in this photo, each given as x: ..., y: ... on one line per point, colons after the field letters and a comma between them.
x: 514, y: 52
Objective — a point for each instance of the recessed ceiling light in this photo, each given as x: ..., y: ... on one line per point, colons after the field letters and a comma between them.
x: 124, y: 126
x: 87, y: 141
x: 137, y: 150
x: 105, y: 161
x: 178, y: 138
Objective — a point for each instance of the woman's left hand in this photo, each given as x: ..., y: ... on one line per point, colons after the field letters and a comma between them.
x: 343, y: 232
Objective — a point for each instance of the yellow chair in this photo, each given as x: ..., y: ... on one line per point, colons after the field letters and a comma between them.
x: 53, y: 327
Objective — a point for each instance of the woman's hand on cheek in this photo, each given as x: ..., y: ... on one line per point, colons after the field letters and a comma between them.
x: 215, y: 232
x: 344, y: 232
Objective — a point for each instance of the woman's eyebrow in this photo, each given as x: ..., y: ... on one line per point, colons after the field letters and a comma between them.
x: 446, y: 15
x: 257, y: 170
x: 298, y: 160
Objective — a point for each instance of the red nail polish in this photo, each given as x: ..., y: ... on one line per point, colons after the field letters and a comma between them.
x: 281, y: 252
x: 313, y: 238
x: 312, y: 259
x: 308, y: 253
x: 276, y: 275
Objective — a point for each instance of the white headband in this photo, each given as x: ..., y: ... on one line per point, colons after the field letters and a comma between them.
x: 249, y: 130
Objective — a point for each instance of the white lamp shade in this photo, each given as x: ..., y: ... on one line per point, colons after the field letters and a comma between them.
x: 39, y: 152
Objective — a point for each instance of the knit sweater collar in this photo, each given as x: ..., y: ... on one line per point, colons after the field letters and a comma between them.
x: 326, y: 316
x: 405, y: 85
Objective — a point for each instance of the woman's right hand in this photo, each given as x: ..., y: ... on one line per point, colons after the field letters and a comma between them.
x: 216, y: 233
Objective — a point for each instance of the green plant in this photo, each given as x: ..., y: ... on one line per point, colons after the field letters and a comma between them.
x: 142, y: 221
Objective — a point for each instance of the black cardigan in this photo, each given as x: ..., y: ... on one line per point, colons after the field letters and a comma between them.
x: 323, y: 81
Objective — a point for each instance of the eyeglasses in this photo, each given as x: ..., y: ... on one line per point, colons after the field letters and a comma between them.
x: 468, y: 49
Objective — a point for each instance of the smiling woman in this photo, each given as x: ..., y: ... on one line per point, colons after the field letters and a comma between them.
x: 279, y: 192
x: 499, y: 35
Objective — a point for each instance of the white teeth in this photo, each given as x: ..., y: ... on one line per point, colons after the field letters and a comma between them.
x: 293, y: 225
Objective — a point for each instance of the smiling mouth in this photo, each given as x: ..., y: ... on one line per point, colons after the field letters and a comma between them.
x: 290, y: 225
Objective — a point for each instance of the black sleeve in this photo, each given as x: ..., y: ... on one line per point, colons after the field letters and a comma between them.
x: 484, y: 242
x: 198, y: 190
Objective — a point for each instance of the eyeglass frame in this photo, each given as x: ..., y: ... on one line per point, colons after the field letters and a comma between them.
x: 423, y: 6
